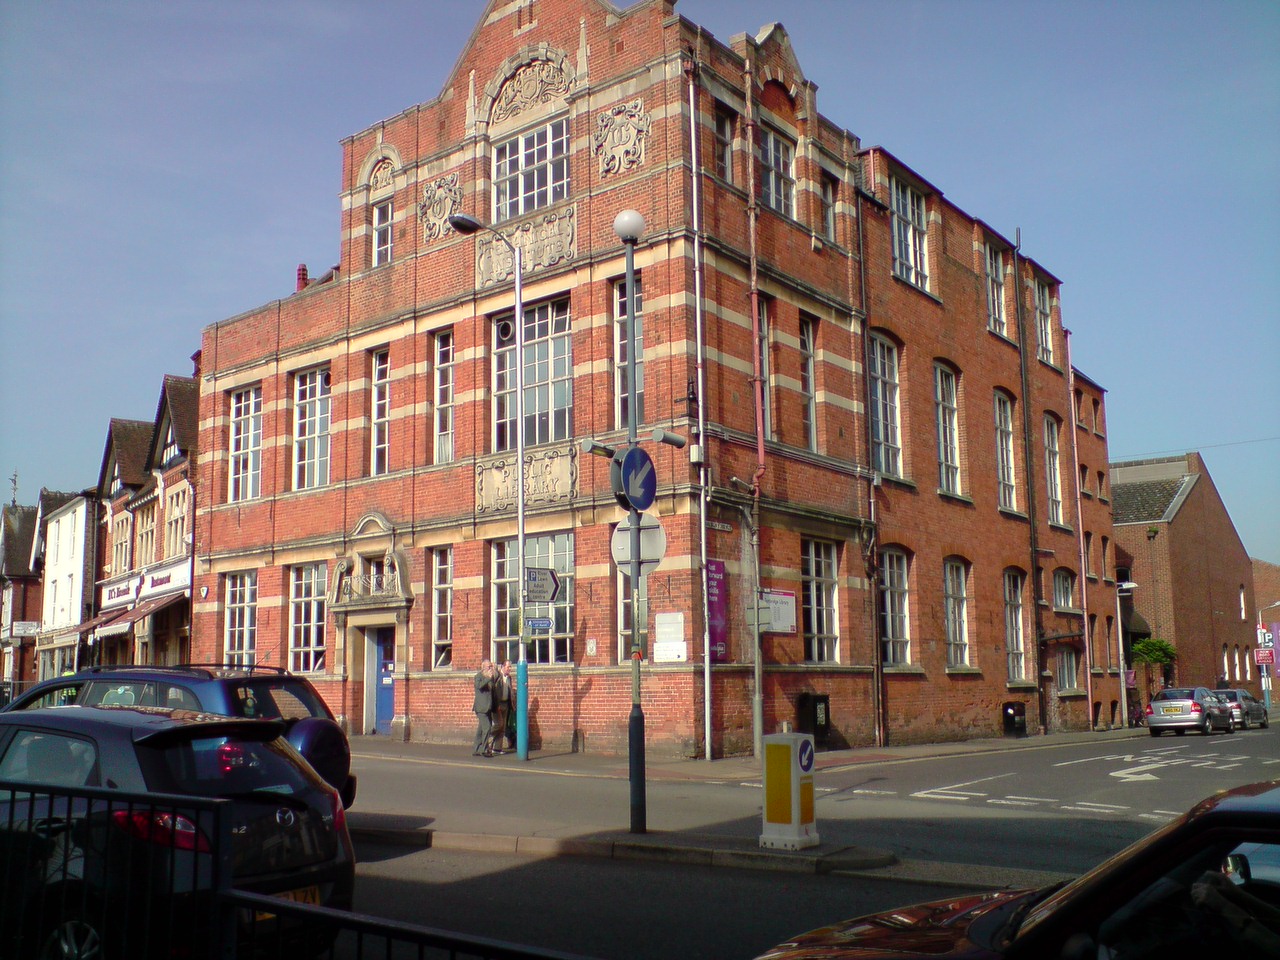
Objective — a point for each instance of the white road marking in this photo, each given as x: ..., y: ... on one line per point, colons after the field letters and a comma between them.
x: 1132, y: 774
x: 1101, y: 806
x: 1036, y: 799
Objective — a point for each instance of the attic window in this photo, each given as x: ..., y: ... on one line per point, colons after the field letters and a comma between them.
x: 117, y: 484
x: 171, y: 451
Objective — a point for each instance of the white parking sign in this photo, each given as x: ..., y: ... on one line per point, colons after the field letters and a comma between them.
x: 1266, y: 639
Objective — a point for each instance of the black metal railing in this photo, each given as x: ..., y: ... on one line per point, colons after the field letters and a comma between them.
x: 149, y: 875
x: 131, y: 873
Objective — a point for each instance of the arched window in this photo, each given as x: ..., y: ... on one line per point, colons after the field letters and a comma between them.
x: 895, y: 638
x: 955, y: 602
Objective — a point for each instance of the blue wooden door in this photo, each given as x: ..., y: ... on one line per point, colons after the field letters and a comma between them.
x: 385, y: 702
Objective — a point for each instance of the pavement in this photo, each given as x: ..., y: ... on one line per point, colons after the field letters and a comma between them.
x: 559, y: 829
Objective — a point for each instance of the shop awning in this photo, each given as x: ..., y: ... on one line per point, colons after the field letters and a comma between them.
x: 147, y: 607
x: 1135, y: 624
x: 100, y: 620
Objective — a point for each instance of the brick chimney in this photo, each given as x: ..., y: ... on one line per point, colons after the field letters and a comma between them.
x: 302, y: 277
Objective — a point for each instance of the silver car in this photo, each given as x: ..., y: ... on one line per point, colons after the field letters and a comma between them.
x: 1188, y: 708
x: 1246, y: 708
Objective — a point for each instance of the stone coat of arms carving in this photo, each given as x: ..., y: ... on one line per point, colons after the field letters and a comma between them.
x: 440, y: 198
x: 620, y: 137
x: 538, y: 82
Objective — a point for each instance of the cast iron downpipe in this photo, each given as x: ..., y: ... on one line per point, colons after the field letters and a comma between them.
x: 757, y: 378
x: 1028, y: 454
x: 700, y: 438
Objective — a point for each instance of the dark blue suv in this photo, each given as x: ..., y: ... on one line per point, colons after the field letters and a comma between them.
x: 249, y: 692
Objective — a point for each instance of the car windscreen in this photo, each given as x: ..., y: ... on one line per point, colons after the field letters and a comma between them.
x: 1175, y: 693
x: 225, y: 766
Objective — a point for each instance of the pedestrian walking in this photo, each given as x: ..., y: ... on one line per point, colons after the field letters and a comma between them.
x: 504, y: 717
x: 485, y: 705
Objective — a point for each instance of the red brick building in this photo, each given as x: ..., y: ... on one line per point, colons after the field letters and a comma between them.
x: 145, y: 487
x: 1194, y: 578
x: 21, y: 596
x: 876, y: 387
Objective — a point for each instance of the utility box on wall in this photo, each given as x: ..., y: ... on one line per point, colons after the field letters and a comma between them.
x: 813, y: 715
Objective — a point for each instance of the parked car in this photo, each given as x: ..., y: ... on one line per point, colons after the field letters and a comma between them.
x: 1246, y: 708
x: 248, y: 692
x: 1206, y: 883
x: 127, y: 871
x: 1188, y: 708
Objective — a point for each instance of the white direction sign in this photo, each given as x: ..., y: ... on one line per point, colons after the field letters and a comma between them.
x: 1266, y: 639
x: 541, y: 585
x: 653, y: 544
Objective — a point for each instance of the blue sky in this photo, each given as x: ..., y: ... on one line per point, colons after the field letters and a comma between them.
x: 164, y: 165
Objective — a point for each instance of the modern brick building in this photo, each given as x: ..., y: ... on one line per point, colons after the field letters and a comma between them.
x: 1194, y: 578
x: 889, y: 523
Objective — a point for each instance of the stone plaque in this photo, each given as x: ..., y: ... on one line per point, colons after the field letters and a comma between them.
x: 550, y: 476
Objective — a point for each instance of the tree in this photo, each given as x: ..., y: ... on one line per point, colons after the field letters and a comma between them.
x: 1153, y: 650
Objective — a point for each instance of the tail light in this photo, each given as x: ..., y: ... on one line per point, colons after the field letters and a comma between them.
x: 162, y: 827
x: 1196, y: 708
x: 339, y: 812
x: 1149, y: 710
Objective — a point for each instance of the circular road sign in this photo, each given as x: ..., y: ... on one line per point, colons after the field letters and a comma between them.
x: 635, y: 482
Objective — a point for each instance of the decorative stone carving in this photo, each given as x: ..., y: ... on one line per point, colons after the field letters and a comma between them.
x: 543, y: 243
x: 440, y: 199
x: 534, y: 83
x: 383, y: 176
x: 621, y: 134
x: 550, y: 476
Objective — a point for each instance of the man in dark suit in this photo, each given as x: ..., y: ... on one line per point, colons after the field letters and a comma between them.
x: 485, y: 705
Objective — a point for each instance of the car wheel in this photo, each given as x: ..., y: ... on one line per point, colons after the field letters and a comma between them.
x: 1180, y: 732
x: 72, y: 938
x: 1156, y: 733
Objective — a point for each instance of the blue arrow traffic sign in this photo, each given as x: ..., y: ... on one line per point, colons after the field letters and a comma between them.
x: 635, y: 482
x: 805, y: 755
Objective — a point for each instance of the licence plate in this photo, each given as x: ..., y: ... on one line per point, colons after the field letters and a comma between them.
x: 1171, y: 710
x: 309, y: 895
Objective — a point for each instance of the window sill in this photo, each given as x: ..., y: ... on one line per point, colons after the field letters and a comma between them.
x: 904, y: 669
x: 959, y: 498
x: 963, y: 672
x: 1072, y: 693
x: 1002, y: 337
x: 1013, y: 514
x: 898, y: 481
x: 1057, y: 525
x: 917, y: 288
x: 1069, y: 611
x: 1024, y: 686
x: 1050, y: 364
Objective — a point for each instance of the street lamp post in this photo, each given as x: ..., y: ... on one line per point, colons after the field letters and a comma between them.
x: 1123, y: 589
x: 467, y: 225
x: 629, y: 225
